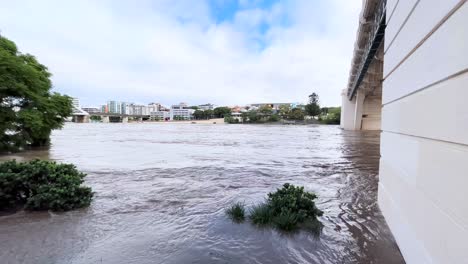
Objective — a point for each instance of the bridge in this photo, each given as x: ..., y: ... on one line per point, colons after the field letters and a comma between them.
x: 362, y: 99
x: 80, y: 116
x: 409, y: 80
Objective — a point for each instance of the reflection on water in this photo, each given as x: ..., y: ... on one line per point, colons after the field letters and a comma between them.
x: 161, y: 190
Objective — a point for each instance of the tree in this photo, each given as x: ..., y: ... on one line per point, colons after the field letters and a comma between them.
x: 253, y: 116
x: 284, y: 110
x: 296, y: 114
x: 265, y: 110
x: 29, y: 111
x: 199, y: 114
x: 221, y: 112
x: 332, y: 117
x: 313, y: 107
x: 208, y: 114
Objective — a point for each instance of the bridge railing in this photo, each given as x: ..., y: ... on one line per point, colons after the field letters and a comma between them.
x: 374, y: 39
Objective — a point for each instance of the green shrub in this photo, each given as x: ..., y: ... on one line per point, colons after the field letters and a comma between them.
x: 286, y: 221
x: 236, y: 212
x: 288, y: 209
x: 42, y: 185
x: 260, y: 214
x: 231, y: 120
x: 292, y: 199
x: 274, y: 118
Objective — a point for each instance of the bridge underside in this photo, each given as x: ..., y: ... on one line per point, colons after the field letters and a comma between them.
x: 362, y: 99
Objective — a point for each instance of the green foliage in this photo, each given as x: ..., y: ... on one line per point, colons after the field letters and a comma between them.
x: 313, y: 107
x: 253, y: 116
x: 288, y: 209
x: 203, y: 114
x: 95, y: 118
x: 284, y: 110
x: 265, y: 110
x: 296, y: 114
x: 42, y: 185
x: 28, y: 109
x: 261, y: 214
x: 332, y: 116
x: 231, y: 120
x: 236, y: 212
x: 221, y: 112
x: 178, y: 118
x: 294, y: 201
x: 273, y: 118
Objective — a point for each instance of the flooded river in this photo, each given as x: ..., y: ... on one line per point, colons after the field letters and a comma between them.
x: 161, y: 191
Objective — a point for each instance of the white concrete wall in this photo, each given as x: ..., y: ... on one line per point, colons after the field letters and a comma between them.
x: 423, y: 188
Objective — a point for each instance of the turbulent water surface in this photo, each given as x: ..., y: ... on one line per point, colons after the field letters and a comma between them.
x: 161, y: 191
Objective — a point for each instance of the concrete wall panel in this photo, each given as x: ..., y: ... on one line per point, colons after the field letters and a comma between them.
x: 426, y: 66
x: 424, y: 18
x: 435, y: 168
x: 401, y: 10
x: 424, y: 233
x: 439, y: 112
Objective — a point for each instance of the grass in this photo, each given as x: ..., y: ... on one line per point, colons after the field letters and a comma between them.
x: 236, y: 212
x: 260, y: 214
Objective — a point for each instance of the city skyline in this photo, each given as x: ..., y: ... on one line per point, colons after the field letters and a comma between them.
x: 228, y: 52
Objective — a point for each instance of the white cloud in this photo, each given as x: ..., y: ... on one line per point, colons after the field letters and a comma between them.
x: 172, y: 50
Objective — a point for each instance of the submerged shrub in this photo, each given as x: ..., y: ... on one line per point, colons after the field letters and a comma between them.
x: 291, y: 206
x: 236, y: 212
x: 42, y: 185
x: 260, y: 214
x: 287, y: 209
x: 286, y: 221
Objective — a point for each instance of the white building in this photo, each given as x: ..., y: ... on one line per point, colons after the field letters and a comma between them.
x: 137, y: 109
x: 181, y: 111
x: 414, y: 89
x: 154, y: 107
x: 76, y: 102
x: 206, y: 107
x: 91, y: 109
x: 160, y: 115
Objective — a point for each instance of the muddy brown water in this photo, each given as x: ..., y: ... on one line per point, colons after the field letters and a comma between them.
x: 161, y: 191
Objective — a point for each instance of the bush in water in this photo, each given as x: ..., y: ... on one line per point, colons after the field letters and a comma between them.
x: 288, y: 209
x: 236, y: 212
x: 42, y: 185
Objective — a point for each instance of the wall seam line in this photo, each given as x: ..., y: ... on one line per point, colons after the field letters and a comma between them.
x: 427, y: 36
x: 393, y: 11
x: 458, y: 144
x: 402, y: 25
x: 428, y: 86
x: 455, y: 219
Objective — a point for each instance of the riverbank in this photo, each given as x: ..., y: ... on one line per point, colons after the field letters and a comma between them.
x: 214, y: 121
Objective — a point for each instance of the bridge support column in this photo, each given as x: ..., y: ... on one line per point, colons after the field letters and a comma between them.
x: 358, y: 109
x: 347, y: 111
x: 105, y: 119
x: 351, y: 111
x: 125, y: 119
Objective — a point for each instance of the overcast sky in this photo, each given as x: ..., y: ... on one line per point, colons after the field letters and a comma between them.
x: 225, y: 52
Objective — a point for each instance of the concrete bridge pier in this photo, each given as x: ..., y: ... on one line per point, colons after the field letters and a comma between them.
x: 80, y: 119
x: 105, y: 119
x: 352, y: 110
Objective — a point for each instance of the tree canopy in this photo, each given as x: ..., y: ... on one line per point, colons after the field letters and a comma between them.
x: 221, y: 112
x: 313, y: 107
x: 29, y: 111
